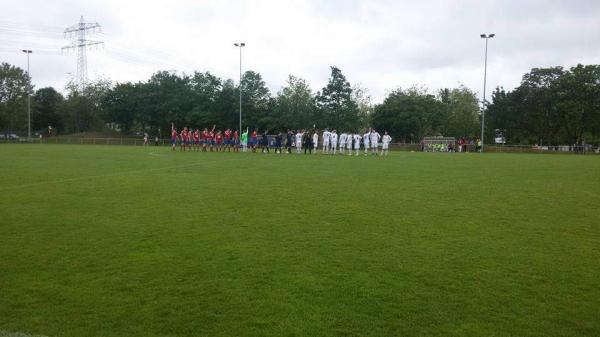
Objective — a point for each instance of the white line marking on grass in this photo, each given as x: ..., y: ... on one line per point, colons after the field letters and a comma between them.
x: 17, y: 334
x: 116, y: 174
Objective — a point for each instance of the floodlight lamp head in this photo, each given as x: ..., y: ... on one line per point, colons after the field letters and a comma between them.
x: 236, y: 44
x: 243, y: 44
x: 483, y: 36
x: 492, y: 35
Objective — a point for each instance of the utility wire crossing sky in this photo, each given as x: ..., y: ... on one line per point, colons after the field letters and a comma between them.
x: 379, y: 44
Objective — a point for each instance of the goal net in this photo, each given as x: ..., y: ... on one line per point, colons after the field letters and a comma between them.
x: 438, y: 144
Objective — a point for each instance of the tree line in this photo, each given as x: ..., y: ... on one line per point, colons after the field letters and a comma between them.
x: 551, y: 106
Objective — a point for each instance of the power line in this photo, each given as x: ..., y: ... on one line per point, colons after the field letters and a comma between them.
x: 22, y: 32
x: 27, y: 44
x: 44, y: 39
x: 37, y: 51
x: 156, y: 57
x: 31, y: 25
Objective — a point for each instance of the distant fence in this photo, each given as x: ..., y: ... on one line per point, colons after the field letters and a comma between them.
x: 89, y: 141
x: 393, y: 146
x: 542, y: 149
x: 507, y: 148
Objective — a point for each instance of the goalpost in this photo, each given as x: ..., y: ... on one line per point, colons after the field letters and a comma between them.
x: 438, y: 144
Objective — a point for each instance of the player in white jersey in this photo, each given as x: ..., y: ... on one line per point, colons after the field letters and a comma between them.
x: 315, y: 141
x: 333, y: 138
x: 366, y: 140
x: 387, y: 139
x: 299, y: 141
x: 342, y: 142
x: 349, y: 139
x: 357, y: 139
x: 375, y: 136
x: 326, y: 137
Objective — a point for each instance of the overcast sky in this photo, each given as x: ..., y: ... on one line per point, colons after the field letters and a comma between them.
x: 379, y: 44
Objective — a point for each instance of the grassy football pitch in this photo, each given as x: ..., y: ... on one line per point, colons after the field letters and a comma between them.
x: 132, y: 241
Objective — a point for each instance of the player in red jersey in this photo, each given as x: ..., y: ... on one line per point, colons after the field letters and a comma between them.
x: 205, y: 139
x: 184, y: 139
x: 197, y: 140
x: 211, y: 135
x: 227, y: 140
x: 190, y: 137
x: 219, y: 141
x: 236, y: 141
x: 173, y: 136
x: 254, y: 140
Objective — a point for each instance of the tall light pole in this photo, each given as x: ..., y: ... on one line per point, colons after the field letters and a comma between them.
x: 486, y: 37
x: 28, y: 96
x: 240, y: 45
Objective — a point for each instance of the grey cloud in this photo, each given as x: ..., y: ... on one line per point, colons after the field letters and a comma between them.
x: 379, y: 43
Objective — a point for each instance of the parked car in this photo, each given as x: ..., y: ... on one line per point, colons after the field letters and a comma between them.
x: 10, y: 136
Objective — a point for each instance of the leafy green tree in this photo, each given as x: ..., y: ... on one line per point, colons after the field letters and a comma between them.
x: 227, y: 107
x: 505, y: 113
x: 409, y: 115
x: 365, y: 105
x: 169, y: 99
x: 295, y: 106
x: 206, y: 91
x: 256, y: 100
x: 122, y: 105
x: 460, y: 112
x: 337, y: 106
x: 550, y: 106
x: 540, y: 113
x: 578, y: 102
x: 46, y: 105
x: 14, y: 86
x: 83, y: 109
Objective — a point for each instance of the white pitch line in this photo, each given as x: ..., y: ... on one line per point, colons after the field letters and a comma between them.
x: 110, y: 174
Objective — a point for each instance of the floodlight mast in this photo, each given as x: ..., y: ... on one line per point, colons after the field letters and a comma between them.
x: 28, y: 52
x: 240, y: 45
x: 483, y: 106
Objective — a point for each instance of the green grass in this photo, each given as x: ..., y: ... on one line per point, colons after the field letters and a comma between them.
x: 127, y: 241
